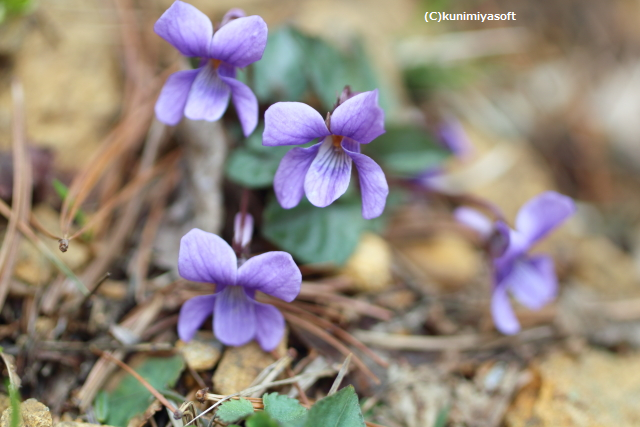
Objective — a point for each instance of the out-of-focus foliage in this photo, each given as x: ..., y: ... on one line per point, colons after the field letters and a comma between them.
x: 254, y: 165
x: 282, y: 408
x: 317, y: 235
x: 338, y: 410
x: 14, y: 7
x: 406, y: 151
x: 234, y: 410
x: 295, y: 64
x: 131, y: 398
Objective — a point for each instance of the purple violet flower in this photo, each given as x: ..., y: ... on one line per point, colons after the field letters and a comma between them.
x: 238, y: 317
x: 453, y: 137
x: 531, y: 279
x: 323, y: 171
x: 203, y: 93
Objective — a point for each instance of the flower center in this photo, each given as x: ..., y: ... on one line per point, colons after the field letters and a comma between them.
x: 337, y: 140
x: 216, y: 63
x: 236, y: 295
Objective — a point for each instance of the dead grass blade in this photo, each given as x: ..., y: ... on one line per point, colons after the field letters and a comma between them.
x: 330, y: 339
x: 21, y: 205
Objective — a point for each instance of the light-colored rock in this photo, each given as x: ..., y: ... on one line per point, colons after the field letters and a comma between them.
x: 595, y: 389
x: 71, y: 78
x: 202, y: 352
x: 369, y: 267
x: 32, y: 414
x: 448, y: 258
x: 240, y: 366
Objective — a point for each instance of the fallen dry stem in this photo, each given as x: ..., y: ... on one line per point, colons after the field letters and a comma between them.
x: 339, y: 332
x: 129, y: 191
x: 31, y: 236
x: 330, y: 339
x: 137, y: 376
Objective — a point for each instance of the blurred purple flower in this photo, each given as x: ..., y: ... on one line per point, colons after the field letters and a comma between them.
x: 238, y: 317
x: 452, y: 136
x: 203, y: 93
x: 530, y: 279
x: 323, y: 171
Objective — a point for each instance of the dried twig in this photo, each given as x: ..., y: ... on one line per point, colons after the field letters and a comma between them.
x: 325, y: 336
x: 142, y: 381
x: 343, y: 371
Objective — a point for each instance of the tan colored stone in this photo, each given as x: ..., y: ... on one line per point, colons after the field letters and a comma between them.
x: 448, y: 258
x: 71, y: 79
x: 240, y: 366
x: 202, y: 352
x: 5, y: 402
x: 369, y: 267
x: 32, y: 414
x: 596, y: 389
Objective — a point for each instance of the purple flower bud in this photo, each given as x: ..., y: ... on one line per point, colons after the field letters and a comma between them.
x: 242, y: 230
x: 203, y: 93
x: 238, y: 317
x: 323, y: 171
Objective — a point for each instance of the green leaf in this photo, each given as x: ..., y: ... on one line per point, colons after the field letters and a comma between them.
x: 131, y: 398
x: 338, y: 410
x: 277, y: 75
x: 261, y: 419
x: 443, y: 416
x: 101, y: 406
x: 17, y: 6
x: 330, y: 70
x: 283, y: 408
x: 254, y: 165
x: 234, y: 410
x: 406, y: 151
x: 317, y: 235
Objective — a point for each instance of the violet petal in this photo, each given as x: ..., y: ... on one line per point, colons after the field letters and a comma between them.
x: 186, y: 28
x: 245, y: 102
x: 292, y: 123
x: 329, y: 174
x: 373, y: 185
x: 240, y: 42
x: 474, y: 219
x: 193, y: 314
x: 359, y: 118
x: 269, y: 326
x: 234, y: 321
x: 504, y: 318
x: 272, y: 273
x: 533, y: 281
x: 288, y: 182
x: 205, y: 257
x: 173, y: 97
x: 209, y: 96
x: 542, y: 214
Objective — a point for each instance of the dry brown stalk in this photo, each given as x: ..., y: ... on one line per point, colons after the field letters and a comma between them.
x: 361, y: 307
x: 142, y: 258
x: 330, y: 339
x: 137, y: 322
x: 338, y: 331
x: 137, y: 376
x: 129, y: 191
x: 21, y: 191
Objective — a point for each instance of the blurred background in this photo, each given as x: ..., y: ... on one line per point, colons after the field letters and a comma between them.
x: 483, y: 113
